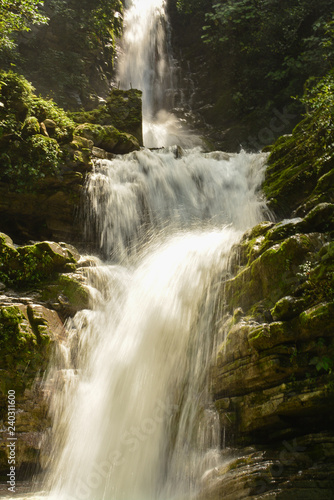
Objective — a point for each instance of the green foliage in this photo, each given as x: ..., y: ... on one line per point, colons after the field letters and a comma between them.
x: 319, y: 102
x: 323, y: 363
x: 18, y: 15
x: 286, y: 40
x: 190, y: 7
x: 254, y: 55
x: 26, y: 154
x: 46, y: 108
x: 297, y: 162
x: 70, y: 58
x: 93, y: 22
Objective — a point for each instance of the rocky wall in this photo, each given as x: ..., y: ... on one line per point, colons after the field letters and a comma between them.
x: 273, y: 380
x: 41, y: 285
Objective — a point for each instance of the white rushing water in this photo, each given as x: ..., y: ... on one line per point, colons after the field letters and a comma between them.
x: 131, y: 408
x: 146, y: 63
x: 129, y: 390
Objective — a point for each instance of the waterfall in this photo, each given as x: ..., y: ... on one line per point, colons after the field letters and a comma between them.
x: 131, y: 406
x: 150, y: 193
x: 129, y: 386
x: 145, y: 62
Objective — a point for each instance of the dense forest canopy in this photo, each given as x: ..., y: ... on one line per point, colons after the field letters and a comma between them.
x: 258, y: 53
x: 69, y: 49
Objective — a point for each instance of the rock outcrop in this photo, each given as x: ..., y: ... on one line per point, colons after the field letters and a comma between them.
x: 45, y: 156
x: 41, y: 286
x: 273, y: 379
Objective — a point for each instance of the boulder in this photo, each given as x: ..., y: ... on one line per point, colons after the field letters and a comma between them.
x: 108, y: 138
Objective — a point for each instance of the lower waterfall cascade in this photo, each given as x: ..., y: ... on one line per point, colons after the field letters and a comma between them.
x: 130, y: 400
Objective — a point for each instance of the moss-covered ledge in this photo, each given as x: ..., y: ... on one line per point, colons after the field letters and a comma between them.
x: 45, y: 156
x: 41, y: 286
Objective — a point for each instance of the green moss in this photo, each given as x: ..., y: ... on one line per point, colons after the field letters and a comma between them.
x: 68, y: 293
x: 16, y: 95
x: 318, y: 321
x: 299, y: 165
x: 26, y: 156
x: 108, y: 138
x: 287, y: 308
x: 44, y: 109
x: 122, y: 111
x: 31, y: 264
x: 30, y: 126
x: 17, y: 340
x: 272, y: 275
x: 267, y: 336
x: 23, y: 350
x: 320, y: 218
x: 76, y: 293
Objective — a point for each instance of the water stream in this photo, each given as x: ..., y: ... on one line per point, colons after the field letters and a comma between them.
x: 131, y: 407
x: 130, y: 401
x: 146, y: 63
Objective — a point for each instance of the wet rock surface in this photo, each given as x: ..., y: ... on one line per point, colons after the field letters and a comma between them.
x: 273, y: 379
x: 41, y: 286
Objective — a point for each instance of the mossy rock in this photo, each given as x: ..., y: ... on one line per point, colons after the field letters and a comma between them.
x: 316, y: 322
x: 287, y: 308
x: 300, y: 167
x: 273, y: 274
x: 122, y: 110
x: 30, y: 149
x: 19, y: 348
x: 320, y: 218
x: 9, y: 257
x: 67, y: 295
x: 15, y: 94
x: 82, y: 143
x: 266, y: 336
x: 31, y: 126
x: 30, y: 264
x: 250, y: 245
x: 108, y: 138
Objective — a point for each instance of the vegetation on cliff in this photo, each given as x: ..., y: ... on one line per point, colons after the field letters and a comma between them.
x: 274, y: 377
x: 71, y: 57
x: 41, y: 286
x: 248, y: 58
x: 300, y: 167
x: 32, y: 131
x: 17, y: 17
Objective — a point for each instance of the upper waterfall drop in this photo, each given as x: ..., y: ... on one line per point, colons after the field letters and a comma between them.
x: 145, y: 62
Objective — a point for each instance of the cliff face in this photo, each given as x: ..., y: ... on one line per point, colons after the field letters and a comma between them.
x: 41, y: 285
x: 273, y: 380
x: 45, y: 155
